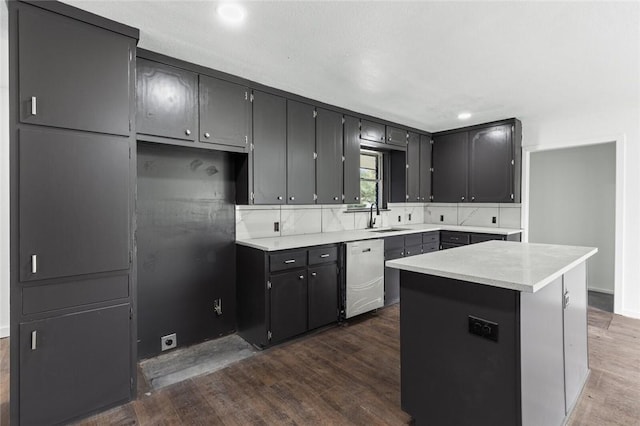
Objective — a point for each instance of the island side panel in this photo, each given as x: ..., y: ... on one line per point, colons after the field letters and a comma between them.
x: 449, y: 376
x: 576, y: 353
x: 542, y: 365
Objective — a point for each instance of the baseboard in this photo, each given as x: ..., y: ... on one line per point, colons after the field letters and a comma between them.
x: 600, y: 290
x: 4, y: 331
x: 630, y: 313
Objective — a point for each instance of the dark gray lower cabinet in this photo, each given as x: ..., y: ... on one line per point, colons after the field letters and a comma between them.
x: 288, y: 297
x: 323, y: 295
x: 74, y: 364
x: 285, y: 293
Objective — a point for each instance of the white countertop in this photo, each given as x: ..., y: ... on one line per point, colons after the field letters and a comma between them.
x: 518, y: 266
x: 308, y: 240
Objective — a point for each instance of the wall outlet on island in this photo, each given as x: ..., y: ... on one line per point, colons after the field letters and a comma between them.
x: 169, y: 341
x: 493, y: 219
x: 441, y: 218
x: 276, y: 226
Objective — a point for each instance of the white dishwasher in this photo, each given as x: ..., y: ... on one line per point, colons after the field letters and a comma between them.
x: 365, y: 277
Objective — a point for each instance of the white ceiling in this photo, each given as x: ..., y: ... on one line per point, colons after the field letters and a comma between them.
x: 415, y: 63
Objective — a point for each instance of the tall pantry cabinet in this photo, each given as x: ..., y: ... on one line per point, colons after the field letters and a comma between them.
x: 72, y: 178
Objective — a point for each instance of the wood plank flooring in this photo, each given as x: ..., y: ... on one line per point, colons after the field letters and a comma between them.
x: 351, y: 375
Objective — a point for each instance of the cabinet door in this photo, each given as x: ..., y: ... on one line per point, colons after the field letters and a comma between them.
x: 269, y: 148
x: 329, y: 163
x: 72, y: 74
x: 323, y: 295
x: 370, y: 131
x: 490, y: 165
x: 74, y: 364
x: 450, y: 164
x: 413, y: 167
x: 301, y: 147
x: 167, y: 99
x: 289, y: 301
x: 224, y: 112
x: 425, y: 168
x: 351, y: 161
x: 74, y: 203
x: 576, y: 355
x: 396, y: 136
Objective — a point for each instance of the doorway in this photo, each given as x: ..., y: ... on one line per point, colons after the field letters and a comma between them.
x: 572, y: 201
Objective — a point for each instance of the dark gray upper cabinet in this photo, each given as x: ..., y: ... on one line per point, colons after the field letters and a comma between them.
x: 301, y: 146
x: 351, y: 161
x: 167, y: 99
x: 269, y: 148
x: 74, y: 364
x: 329, y: 162
x: 425, y: 168
x: 289, y: 304
x: 374, y: 132
x: 72, y: 75
x: 491, y: 164
x: 225, y: 110
x: 413, y: 167
x: 396, y: 136
x: 450, y: 166
x: 74, y: 203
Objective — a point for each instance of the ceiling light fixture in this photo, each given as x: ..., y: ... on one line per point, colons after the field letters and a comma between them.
x: 464, y: 116
x: 232, y: 13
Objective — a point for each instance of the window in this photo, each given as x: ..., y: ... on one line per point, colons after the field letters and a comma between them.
x: 370, y: 177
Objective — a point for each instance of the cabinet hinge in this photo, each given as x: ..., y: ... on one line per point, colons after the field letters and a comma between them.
x: 342, y: 197
x: 251, y: 97
x: 431, y: 141
x: 343, y: 158
x: 431, y: 197
x: 513, y: 129
x: 431, y: 169
x: 251, y: 147
x: 130, y: 313
x: 246, y: 139
x: 268, y: 285
x: 251, y: 196
x: 246, y: 95
x: 315, y: 155
x: 315, y: 113
x: 407, y: 196
x: 269, y: 335
x: 512, y: 196
x: 343, y: 120
x: 407, y: 166
x: 315, y: 197
x: 513, y: 162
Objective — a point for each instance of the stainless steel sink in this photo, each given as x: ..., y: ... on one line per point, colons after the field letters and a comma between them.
x: 388, y: 230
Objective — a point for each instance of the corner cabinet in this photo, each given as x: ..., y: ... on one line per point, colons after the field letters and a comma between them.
x: 286, y: 293
x: 478, y: 164
x: 72, y: 178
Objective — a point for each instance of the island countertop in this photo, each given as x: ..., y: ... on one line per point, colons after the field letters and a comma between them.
x: 525, y: 267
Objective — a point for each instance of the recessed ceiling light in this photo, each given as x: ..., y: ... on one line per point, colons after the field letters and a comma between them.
x: 464, y: 116
x: 231, y: 12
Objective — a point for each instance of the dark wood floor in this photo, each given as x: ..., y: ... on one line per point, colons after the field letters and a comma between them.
x: 351, y: 375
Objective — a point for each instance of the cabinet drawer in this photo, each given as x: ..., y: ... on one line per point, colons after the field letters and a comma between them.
x: 413, y: 250
x: 289, y: 260
x: 395, y: 253
x: 391, y: 243
x: 480, y: 238
x: 450, y: 245
x: 429, y: 247
x: 323, y: 255
x: 412, y: 240
x: 430, y: 237
x: 454, y: 237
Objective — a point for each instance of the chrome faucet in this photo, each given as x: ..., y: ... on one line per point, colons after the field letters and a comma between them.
x: 372, y: 221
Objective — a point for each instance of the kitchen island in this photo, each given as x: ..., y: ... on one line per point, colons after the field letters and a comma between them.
x: 493, y: 333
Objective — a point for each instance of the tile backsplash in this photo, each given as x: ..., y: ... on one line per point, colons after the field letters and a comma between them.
x: 274, y: 221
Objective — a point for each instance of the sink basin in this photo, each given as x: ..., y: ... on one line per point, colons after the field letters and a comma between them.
x: 388, y: 230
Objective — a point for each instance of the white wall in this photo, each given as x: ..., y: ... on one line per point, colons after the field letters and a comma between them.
x: 584, y: 127
x: 572, y: 201
x: 4, y: 170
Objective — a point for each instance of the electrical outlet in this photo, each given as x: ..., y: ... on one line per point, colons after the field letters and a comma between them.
x: 169, y: 341
x: 399, y: 219
x: 441, y: 218
x: 276, y: 226
x: 409, y: 217
x: 493, y: 219
x: 483, y: 328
